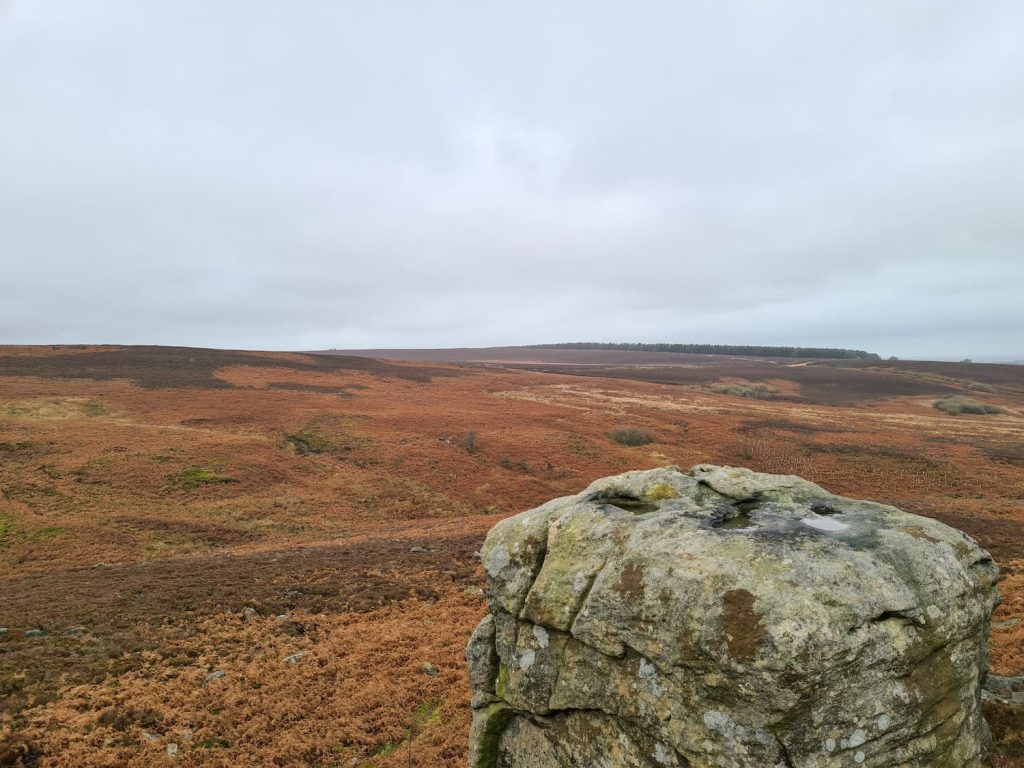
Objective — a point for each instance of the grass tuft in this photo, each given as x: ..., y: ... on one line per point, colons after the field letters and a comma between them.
x: 631, y: 436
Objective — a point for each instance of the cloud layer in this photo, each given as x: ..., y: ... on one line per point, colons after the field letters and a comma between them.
x: 274, y: 175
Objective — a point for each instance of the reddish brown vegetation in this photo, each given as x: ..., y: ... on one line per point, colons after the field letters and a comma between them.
x: 340, y: 494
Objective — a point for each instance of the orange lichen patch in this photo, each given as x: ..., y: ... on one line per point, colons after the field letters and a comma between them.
x: 742, y: 625
x: 919, y: 533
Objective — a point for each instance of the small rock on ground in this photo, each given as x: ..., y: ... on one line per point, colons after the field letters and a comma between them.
x: 294, y: 658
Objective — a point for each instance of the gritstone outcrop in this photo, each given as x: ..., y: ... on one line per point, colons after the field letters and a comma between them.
x: 722, y: 618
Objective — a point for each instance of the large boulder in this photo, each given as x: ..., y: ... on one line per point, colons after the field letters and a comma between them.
x: 725, y: 618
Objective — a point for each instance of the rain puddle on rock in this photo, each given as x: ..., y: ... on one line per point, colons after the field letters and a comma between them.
x: 636, y: 506
x: 824, y: 523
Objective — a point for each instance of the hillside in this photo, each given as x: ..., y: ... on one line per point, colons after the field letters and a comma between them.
x: 151, y: 494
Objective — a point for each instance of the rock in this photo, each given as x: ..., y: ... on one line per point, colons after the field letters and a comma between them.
x: 217, y: 675
x: 418, y: 549
x: 172, y: 750
x: 35, y: 633
x: 1008, y: 624
x: 4, y: 630
x: 1008, y: 690
x: 249, y: 613
x: 75, y: 631
x: 294, y: 658
x: 723, y: 618
x: 430, y: 669
x: 147, y: 736
x: 473, y: 591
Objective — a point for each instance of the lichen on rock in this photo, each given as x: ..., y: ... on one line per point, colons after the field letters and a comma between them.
x: 723, y: 618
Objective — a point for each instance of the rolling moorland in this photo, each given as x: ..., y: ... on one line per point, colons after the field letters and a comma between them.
x: 217, y: 558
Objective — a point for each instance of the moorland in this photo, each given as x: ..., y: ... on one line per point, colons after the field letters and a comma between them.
x: 227, y: 558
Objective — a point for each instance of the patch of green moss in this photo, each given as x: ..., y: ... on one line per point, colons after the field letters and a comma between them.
x: 196, y: 477
x: 495, y: 719
x: 214, y: 743
x: 428, y: 713
x: 660, y: 492
x: 6, y: 530
x: 501, y: 684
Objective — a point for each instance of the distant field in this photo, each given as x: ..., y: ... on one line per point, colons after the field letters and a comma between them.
x: 823, y: 382
x: 148, y: 495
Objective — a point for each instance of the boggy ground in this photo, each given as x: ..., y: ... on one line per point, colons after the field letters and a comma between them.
x: 149, y: 495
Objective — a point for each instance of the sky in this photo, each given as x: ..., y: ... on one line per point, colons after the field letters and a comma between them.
x: 274, y: 175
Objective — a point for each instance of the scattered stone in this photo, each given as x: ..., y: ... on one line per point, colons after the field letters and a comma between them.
x: 473, y: 591
x: 1008, y: 624
x: 4, y: 630
x: 147, y: 736
x: 101, y: 565
x: 1008, y: 690
x: 430, y: 669
x: 281, y: 617
x: 35, y: 633
x: 172, y: 750
x: 75, y: 631
x: 724, y: 618
x: 294, y: 658
x: 214, y: 676
x: 249, y: 613
x: 418, y: 549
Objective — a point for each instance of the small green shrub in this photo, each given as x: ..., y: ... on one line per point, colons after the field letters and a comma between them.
x: 196, y: 477
x: 756, y: 391
x: 631, y: 436
x: 980, y: 386
x: 958, y: 404
x: 469, y: 442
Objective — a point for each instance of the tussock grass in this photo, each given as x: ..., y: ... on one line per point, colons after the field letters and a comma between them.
x: 631, y: 436
x: 958, y: 404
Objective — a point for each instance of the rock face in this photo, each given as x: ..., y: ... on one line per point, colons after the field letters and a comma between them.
x: 724, y: 618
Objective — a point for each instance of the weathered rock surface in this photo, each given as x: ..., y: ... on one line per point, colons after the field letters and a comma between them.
x: 724, y: 618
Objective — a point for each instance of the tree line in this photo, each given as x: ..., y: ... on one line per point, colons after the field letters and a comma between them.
x: 743, y: 350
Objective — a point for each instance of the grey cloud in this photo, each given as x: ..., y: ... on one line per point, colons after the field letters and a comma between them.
x: 260, y: 174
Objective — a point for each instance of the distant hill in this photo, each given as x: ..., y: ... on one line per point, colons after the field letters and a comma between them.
x: 719, y: 349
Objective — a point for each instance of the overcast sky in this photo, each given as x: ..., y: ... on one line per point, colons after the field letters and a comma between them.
x: 338, y: 174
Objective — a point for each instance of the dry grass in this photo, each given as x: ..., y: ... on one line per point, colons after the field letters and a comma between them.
x: 344, y: 496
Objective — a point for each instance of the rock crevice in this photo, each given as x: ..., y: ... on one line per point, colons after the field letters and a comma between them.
x: 721, y: 618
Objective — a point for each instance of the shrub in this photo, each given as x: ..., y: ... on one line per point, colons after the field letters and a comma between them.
x: 196, y: 477
x: 469, y: 442
x: 631, y: 436
x: 979, y: 386
x: 958, y: 404
x: 756, y: 391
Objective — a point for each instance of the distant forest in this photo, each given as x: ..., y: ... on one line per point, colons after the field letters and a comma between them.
x: 719, y: 349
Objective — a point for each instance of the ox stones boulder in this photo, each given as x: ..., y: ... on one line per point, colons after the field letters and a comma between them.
x: 723, y: 618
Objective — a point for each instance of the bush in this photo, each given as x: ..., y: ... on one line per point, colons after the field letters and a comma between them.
x: 756, y: 391
x: 958, y: 404
x: 631, y: 436
x: 469, y: 442
x: 978, y: 386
